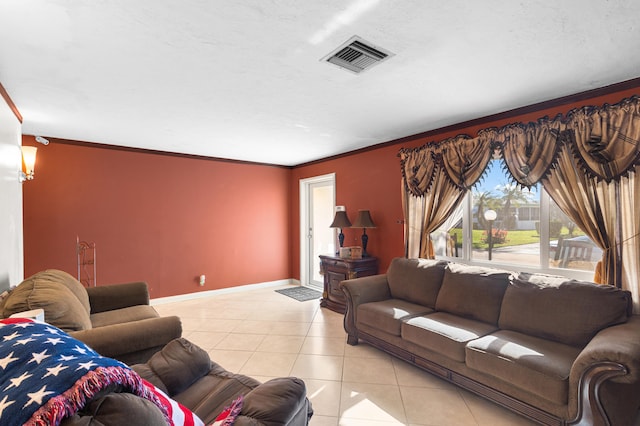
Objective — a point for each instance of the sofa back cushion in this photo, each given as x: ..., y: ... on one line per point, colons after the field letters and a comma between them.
x: 415, y: 280
x: 562, y: 310
x: 473, y: 292
x: 176, y: 366
x: 67, y: 280
x: 56, y: 293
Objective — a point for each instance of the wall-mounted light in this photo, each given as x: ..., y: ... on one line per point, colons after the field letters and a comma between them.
x: 28, y: 163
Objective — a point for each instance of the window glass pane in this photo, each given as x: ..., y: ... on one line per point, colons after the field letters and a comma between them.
x: 505, y: 220
x: 569, y: 247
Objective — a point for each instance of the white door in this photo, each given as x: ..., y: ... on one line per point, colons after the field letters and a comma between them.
x: 317, y: 204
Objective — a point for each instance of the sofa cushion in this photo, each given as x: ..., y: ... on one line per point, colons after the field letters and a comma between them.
x: 176, y: 367
x: 387, y: 314
x: 537, y: 305
x: 444, y: 333
x: 536, y: 365
x: 124, y: 315
x: 55, y: 275
x: 61, y: 306
x: 415, y: 280
x: 473, y: 292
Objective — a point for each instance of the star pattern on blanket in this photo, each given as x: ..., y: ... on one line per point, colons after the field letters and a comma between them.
x: 39, y: 362
x: 47, y: 375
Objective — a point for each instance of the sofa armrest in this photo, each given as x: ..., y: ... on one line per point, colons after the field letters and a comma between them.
x: 280, y: 401
x: 373, y: 288
x: 613, y: 355
x: 118, y: 339
x: 619, y: 344
x: 117, y: 296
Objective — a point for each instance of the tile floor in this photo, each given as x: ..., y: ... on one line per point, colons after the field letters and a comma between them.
x: 264, y: 334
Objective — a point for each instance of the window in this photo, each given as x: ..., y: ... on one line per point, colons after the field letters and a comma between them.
x: 508, y: 226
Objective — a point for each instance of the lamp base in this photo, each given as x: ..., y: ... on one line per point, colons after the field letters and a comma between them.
x: 341, y: 241
x: 365, y: 240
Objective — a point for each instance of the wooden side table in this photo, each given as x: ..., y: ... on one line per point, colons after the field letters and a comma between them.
x: 336, y: 269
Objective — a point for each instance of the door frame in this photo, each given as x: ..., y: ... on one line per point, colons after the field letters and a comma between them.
x: 305, y: 184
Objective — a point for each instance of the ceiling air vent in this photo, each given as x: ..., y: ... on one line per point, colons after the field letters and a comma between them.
x: 357, y: 55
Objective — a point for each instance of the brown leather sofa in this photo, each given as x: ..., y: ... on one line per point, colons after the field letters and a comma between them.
x: 115, y: 320
x: 185, y: 372
x: 555, y: 350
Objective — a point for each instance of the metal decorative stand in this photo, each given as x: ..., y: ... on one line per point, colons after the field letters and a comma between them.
x: 86, y: 262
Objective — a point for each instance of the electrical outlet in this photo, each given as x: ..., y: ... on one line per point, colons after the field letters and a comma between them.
x: 202, y: 280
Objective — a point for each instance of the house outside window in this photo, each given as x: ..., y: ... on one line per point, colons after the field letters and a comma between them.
x: 529, y: 232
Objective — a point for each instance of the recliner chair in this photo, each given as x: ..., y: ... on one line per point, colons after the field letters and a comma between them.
x: 115, y: 320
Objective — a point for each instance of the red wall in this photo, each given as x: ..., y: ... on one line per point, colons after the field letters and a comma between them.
x: 166, y: 219
x: 158, y: 218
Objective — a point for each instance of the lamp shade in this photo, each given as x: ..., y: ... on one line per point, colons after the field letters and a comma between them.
x: 363, y: 220
x: 340, y: 220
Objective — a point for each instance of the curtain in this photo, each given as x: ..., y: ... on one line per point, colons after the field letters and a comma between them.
x: 436, y: 179
x: 630, y: 201
x: 586, y: 161
x: 589, y: 204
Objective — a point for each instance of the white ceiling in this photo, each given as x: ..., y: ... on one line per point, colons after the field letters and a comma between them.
x: 243, y: 79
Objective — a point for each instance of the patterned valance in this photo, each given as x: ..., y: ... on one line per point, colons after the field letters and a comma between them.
x: 604, y: 140
x: 463, y: 160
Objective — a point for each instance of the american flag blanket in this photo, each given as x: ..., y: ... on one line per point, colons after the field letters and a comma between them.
x: 46, y: 376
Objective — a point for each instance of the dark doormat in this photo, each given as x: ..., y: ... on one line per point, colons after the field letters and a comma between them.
x: 301, y: 294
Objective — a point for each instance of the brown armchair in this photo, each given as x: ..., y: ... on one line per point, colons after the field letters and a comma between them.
x: 115, y: 320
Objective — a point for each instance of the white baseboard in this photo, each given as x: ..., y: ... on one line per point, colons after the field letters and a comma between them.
x: 208, y: 293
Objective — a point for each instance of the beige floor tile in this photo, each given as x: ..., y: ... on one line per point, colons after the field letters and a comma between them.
x: 324, y: 396
x: 318, y: 420
x: 437, y: 407
x: 487, y: 413
x: 205, y: 339
x: 219, y: 324
x: 323, y: 346
x: 230, y: 360
x: 281, y: 344
x: 287, y: 328
x: 367, y: 422
x: 290, y: 316
x: 226, y: 313
x: 253, y: 327
x: 363, y: 350
x: 410, y: 375
x: 371, y: 402
x: 191, y: 324
x: 269, y: 364
x: 369, y: 370
x: 327, y: 315
x: 240, y: 342
x: 321, y: 367
x: 321, y: 329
